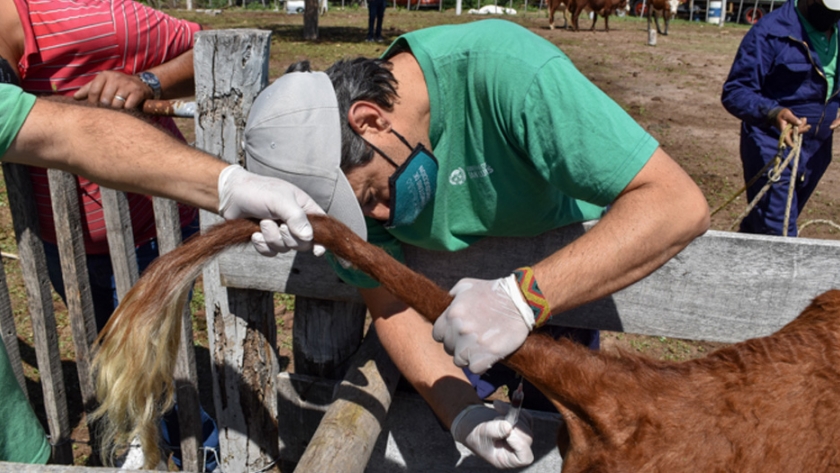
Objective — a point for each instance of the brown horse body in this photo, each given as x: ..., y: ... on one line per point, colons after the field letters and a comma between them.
x: 765, y: 405
x: 604, y: 8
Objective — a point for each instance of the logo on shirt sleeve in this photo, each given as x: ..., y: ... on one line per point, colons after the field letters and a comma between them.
x: 458, y: 177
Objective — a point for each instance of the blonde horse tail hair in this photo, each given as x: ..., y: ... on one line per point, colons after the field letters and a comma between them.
x: 134, y: 365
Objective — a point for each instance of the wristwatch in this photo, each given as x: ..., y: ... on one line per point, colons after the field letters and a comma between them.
x: 152, y: 81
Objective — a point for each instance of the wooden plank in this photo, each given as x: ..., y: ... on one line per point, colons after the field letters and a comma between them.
x: 347, y: 434
x: 9, y: 332
x: 8, y: 467
x: 231, y: 68
x: 74, y: 272
x: 79, y: 300
x: 168, y: 228
x: 34, y: 268
x: 301, y: 274
x: 723, y: 287
x: 120, y: 239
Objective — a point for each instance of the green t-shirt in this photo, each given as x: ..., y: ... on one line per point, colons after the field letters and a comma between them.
x: 15, y: 105
x: 22, y: 438
x: 525, y: 143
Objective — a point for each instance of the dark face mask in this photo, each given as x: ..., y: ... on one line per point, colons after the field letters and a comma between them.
x: 413, y: 184
x: 820, y: 17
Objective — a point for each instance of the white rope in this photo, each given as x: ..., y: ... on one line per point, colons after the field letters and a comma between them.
x: 819, y: 220
x: 797, y: 148
x: 771, y: 179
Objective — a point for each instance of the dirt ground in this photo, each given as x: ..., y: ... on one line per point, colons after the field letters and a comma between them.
x: 672, y: 89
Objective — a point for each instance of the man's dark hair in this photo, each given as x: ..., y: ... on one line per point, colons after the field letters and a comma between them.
x: 354, y: 80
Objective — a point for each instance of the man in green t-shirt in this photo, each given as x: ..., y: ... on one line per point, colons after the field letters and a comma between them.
x: 93, y: 142
x: 467, y: 131
x: 22, y: 439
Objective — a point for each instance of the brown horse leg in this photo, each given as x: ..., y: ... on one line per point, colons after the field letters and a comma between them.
x: 551, y: 15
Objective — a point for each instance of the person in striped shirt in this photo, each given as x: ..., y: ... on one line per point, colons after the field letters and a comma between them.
x: 117, y: 53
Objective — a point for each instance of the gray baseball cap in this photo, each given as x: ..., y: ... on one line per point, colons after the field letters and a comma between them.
x: 294, y: 133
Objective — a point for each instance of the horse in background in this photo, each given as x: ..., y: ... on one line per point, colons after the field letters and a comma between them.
x: 668, y: 9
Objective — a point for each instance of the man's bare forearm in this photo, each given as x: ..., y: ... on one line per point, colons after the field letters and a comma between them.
x: 118, y: 151
x: 407, y: 337
x: 176, y: 76
x: 659, y: 213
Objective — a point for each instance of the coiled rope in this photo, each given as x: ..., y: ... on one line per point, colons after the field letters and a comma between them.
x: 773, y: 176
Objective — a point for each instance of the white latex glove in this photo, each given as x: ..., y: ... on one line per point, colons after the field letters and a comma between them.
x: 487, y: 434
x: 487, y: 321
x: 245, y: 194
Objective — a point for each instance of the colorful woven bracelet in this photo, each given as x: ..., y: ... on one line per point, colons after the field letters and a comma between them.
x: 533, y: 296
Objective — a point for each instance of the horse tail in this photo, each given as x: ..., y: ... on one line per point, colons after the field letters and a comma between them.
x: 134, y: 364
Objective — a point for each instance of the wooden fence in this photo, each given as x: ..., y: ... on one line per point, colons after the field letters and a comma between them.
x: 330, y: 415
x: 79, y: 300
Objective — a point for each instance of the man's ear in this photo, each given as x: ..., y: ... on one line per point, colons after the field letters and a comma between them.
x: 367, y: 118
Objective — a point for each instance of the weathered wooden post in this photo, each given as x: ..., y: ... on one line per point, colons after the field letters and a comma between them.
x: 79, y: 300
x: 120, y: 239
x: 231, y: 68
x: 348, y: 431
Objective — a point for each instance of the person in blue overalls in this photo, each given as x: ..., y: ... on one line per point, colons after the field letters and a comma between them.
x: 785, y: 72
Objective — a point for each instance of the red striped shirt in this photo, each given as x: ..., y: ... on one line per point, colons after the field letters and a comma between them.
x: 67, y: 43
